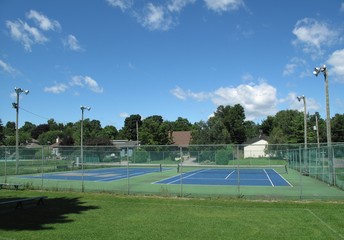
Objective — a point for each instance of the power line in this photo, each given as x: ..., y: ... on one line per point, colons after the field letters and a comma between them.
x: 34, y: 113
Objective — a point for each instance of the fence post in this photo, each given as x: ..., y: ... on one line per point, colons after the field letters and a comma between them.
x: 181, y: 171
x: 300, y: 155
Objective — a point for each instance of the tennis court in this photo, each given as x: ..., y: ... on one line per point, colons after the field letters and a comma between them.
x: 98, y: 174
x: 200, y: 176
x: 229, y: 176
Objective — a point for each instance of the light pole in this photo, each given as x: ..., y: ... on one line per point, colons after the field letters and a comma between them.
x: 304, y: 118
x: 81, y: 143
x: 316, y: 72
x: 16, y: 106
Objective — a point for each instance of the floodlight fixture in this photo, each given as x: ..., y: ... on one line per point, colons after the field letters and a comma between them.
x: 85, y: 108
x: 20, y: 90
x: 300, y: 97
x: 322, y: 69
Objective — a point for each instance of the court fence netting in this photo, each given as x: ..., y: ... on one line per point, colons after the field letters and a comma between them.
x: 236, y: 171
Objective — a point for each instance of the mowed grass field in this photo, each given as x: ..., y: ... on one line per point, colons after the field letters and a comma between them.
x: 67, y: 215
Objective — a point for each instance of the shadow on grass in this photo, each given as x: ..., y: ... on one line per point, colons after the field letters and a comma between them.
x: 32, y: 217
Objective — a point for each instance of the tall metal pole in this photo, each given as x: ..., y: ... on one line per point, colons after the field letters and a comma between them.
x: 305, y: 120
x: 82, y: 144
x: 317, y: 127
x: 137, y: 134
x: 328, y: 130
x: 16, y: 106
x: 81, y: 149
x: 17, y: 133
x: 317, y: 70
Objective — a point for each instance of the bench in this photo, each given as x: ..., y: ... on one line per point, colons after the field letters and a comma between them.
x: 10, y: 185
x: 19, y: 202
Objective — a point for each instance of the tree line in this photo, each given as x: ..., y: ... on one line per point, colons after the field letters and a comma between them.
x: 228, y: 125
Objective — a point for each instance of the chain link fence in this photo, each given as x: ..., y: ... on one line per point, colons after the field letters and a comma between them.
x: 196, y: 170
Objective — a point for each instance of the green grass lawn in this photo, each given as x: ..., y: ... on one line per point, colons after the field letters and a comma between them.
x: 67, y: 215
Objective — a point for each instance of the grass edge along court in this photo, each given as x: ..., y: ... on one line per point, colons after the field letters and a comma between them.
x: 70, y: 215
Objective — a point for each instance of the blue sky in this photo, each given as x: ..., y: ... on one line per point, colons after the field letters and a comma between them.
x: 174, y: 58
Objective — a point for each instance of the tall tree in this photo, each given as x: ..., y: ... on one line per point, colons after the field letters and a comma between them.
x: 130, y: 125
x: 181, y: 124
x: 267, y: 125
x: 10, y: 129
x: 233, y: 118
x: 337, y: 128
x: 39, y: 130
x: 154, y: 131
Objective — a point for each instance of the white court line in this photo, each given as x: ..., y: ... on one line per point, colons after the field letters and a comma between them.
x: 119, y: 177
x: 283, y: 178
x: 269, y: 178
x: 187, y: 176
x: 229, y: 174
x: 325, y: 223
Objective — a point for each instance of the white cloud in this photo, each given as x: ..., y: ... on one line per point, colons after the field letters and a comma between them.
x: 313, y: 35
x: 72, y: 43
x: 164, y: 15
x: 183, y: 95
x: 58, y: 88
x: 93, y: 85
x: 293, y: 65
x: 178, y: 5
x: 122, y: 4
x: 27, y: 35
x: 86, y: 81
x: 342, y: 7
x: 224, y: 5
x: 258, y: 100
x: 43, y: 21
x: 7, y: 68
x: 247, y: 77
x: 336, y: 60
x: 156, y: 18
x: 124, y: 115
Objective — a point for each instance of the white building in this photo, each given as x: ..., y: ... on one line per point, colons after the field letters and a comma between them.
x: 255, y: 147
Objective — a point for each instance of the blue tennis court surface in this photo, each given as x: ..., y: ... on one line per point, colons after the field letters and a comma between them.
x: 234, y: 177
x: 97, y: 175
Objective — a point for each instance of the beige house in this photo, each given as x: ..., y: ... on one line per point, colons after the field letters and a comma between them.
x: 255, y: 147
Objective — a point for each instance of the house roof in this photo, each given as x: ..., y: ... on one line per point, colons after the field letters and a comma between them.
x: 181, y: 138
x: 258, y: 138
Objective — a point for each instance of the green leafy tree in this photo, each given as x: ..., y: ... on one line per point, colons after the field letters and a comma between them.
x: 28, y: 127
x: 130, y: 124
x: 211, y: 132
x: 200, y: 133
x: 109, y: 132
x: 233, y: 118
x: 42, y: 128
x: 10, y: 129
x: 267, y: 125
x: 337, y: 128
x: 251, y: 129
x: 154, y: 131
x: 181, y: 124
x: 49, y: 137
